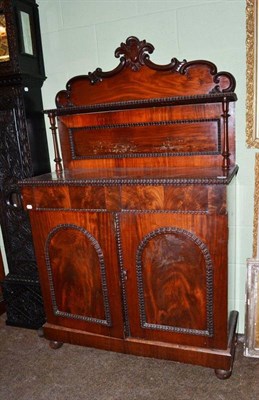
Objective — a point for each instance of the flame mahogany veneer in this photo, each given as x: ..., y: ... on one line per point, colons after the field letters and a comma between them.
x: 131, y: 237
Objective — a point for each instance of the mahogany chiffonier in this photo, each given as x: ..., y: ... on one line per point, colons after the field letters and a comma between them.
x: 131, y: 233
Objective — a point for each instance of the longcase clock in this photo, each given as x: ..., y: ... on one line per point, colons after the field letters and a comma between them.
x: 23, y: 153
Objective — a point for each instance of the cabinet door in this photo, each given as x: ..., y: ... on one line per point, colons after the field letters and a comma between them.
x: 77, y: 258
x: 176, y: 287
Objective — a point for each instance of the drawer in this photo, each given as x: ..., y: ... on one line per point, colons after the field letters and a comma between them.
x: 189, y: 198
x: 72, y: 197
x: 181, y: 198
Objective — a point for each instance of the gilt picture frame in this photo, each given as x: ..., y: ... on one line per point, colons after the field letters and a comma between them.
x: 252, y: 74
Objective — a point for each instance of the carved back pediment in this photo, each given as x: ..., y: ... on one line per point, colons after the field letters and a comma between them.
x: 137, y: 77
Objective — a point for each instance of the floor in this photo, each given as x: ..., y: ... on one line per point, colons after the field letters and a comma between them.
x: 30, y: 370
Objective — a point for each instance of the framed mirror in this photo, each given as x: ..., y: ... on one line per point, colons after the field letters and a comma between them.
x: 252, y: 74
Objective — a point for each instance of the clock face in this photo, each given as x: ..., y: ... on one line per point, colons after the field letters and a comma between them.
x: 4, y: 49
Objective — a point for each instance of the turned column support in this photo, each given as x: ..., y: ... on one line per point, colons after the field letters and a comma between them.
x: 53, y: 127
x: 225, y: 144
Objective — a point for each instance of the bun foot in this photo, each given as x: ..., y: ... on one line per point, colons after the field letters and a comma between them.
x: 40, y: 332
x: 55, y: 345
x: 222, y: 374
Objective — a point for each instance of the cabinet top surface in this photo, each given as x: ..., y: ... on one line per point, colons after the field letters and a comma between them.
x: 135, y: 176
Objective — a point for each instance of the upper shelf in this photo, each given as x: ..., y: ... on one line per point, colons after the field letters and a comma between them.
x: 152, y: 102
x: 141, y: 114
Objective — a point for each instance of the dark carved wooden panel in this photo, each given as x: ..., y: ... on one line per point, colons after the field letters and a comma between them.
x: 23, y: 153
x: 77, y: 275
x: 14, y: 133
x: 15, y: 164
x: 24, y: 302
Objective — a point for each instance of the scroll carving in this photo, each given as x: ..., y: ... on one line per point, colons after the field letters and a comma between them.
x: 217, y: 79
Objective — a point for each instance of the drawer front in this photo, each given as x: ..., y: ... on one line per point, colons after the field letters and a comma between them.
x: 72, y: 197
x: 183, y: 198
x: 189, y: 198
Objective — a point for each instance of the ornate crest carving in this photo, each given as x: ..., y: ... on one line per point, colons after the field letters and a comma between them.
x: 134, y: 52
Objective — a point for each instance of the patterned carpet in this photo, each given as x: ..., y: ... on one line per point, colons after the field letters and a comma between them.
x: 30, y: 370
